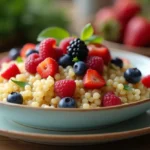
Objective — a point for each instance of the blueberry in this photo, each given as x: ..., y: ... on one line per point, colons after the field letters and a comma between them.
x: 31, y: 51
x: 67, y: 102
x: 80, y: 68
x: 132, y: 75
x: 14, y: 53
x: 117, y: 61
x: 15, y: 97
x: 65, y: 61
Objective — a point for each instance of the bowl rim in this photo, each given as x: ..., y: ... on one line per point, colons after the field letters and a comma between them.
x: 136, y: 50
x: 132, y: 104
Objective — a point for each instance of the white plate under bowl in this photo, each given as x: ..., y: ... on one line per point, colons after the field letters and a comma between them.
x: 80, y: 119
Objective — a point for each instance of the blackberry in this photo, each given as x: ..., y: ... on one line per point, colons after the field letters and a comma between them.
x: 77, y: 48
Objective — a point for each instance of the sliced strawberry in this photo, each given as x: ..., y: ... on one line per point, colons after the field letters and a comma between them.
x: 93, y: 79
x: 11, y: 71
x: 25, y: 48
x: 101, y: 51
x: 48, y: 67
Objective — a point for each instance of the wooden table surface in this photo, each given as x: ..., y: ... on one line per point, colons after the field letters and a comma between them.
x: 138, y: 143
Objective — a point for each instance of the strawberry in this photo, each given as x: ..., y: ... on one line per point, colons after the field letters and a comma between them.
x: 65, y: 88
x: 137, y: 32
x: 48, y: 67
x: 59, y: 53
x: 11, y: 71
x: 32, y: 62
x: 126, y: 9
x: 146, y: 81
x: 101, y: 51
x: 110, y: 99
x: 93, y: 79
x: 47, y: 48
x: 95, y: 63
x: 25, y: 48
x: 65, y: 43
x: 107, y: 25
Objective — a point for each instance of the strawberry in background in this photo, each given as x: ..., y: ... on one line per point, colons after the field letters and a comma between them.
x: 137, y: 32
x: 126, y: 9
x: 107, y: 25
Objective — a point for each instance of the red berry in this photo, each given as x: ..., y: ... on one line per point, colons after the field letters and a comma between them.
x: 59, y: 53
x: 32, y: 62
x: 137, y: 32
x: 95, y: 63
x: 48, y: 67
x: 25, y: 48
x: 107, y: 24
x: 65, y: 88
x: 93, y: 80
x: 11, y: 71
x: 47, y: 48
x: 146, y: 81
x: 101, y: 51
x: 126, y: 9
x: 65, y: 43
x: 110, y: 99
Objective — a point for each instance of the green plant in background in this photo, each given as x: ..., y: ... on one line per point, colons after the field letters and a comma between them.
x: 23, y: 19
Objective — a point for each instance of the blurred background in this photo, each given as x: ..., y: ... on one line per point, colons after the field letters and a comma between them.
x: 22, y: 20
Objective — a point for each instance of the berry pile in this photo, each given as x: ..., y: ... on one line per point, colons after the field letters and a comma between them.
x: 90, y: 64
x: 124, y: 22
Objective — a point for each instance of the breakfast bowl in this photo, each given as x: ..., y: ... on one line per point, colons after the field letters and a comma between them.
x: 78, y: 85
x: 79, y: 118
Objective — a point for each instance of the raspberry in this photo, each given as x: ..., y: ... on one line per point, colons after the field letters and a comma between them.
x: 65, y: 43
x: 48, y: 67
x: 77, y: 48
x: 47, y: 48
x: 65, y: 88
x: 32, y: 62
x: 11, y: 71
x: 110, y: 99
x: 146, y: 81
x: 95, y: 63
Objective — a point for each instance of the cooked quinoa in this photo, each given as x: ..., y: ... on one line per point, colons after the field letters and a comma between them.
x: 40, y: 92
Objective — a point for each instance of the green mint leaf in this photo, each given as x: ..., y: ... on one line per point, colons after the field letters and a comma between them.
x: 19, y: 60
x: 112, y: 66
x: 94, y: 39
x: 54, y: 32
x: 127, y: 88
x: 87, y: 32
x: 75, y: 59
x: 20, y: 83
